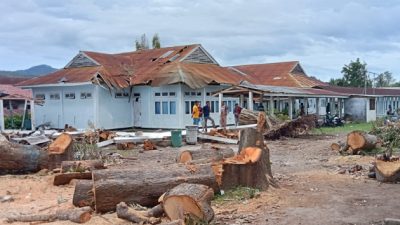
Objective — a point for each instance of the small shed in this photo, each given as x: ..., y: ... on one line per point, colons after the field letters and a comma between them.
x: 16, y: 108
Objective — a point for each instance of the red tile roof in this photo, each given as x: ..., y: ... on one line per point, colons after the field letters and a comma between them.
x: 153, y: 66
x: 279, y: 74
x: 14, y: 92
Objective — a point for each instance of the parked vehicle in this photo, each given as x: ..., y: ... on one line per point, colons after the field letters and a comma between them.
x: 333, y: 120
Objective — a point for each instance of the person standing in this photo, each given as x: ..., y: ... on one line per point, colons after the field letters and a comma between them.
x: 196, y: 114
x: 236, y: 111
x: 223, y: 115
x: 206, y: 114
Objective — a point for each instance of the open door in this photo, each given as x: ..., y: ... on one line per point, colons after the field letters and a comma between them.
x: 137, y: 113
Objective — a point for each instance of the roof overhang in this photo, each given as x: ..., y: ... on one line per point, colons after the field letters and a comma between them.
x: 62, y: 84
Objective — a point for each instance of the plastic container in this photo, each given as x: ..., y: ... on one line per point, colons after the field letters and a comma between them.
x: 176, y: 138
x: 191, y: 135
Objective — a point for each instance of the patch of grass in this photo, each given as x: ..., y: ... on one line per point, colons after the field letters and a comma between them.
x: 236, y: 194
x: 343, y: 129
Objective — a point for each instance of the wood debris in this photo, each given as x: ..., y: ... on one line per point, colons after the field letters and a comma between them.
x: 148, y: 145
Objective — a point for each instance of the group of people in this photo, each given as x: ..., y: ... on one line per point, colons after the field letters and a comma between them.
x: 199, y: 113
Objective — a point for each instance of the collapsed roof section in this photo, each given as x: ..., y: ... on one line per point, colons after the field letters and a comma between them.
x: 189, y: 64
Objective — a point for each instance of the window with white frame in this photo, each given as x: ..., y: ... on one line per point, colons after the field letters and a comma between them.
x: 70, y: 95
x: 172, y: 107
x: 86, y: 95
x: 40, y: 96
x: 157, y: 107
x: 54, y: 96
x: 121, y: 95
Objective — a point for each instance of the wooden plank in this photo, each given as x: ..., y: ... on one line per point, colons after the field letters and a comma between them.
x: 141, y: 139
x: 219, y: 139
x: 105, y: 143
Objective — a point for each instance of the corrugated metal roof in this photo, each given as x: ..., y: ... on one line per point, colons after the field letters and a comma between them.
x: 361, y: 91
x: 279, y: 74
x: 153, y: 66
x: 13, y: 92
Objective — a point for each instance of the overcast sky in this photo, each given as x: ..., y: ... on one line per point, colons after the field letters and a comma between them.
x: 323, y: 35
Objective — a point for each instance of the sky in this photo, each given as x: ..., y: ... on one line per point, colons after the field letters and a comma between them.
x: 323, y: 35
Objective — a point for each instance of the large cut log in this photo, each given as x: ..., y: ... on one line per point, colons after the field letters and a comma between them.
x: 65, y: 178
x: 175, y: 222
x: 144, y: 185
x: 60, y: 150
x: 360, y: 140
x: 81, y: 166
x: 387, y: 171
x: 80, y: 215
x: 251, y: 167
x: 212, y: 154
x: 126, y: 213
x: 83, y: 194
x: 16, y: 158
x: 189, y: 200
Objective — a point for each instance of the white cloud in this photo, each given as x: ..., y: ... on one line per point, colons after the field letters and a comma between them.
x: 322, y: 36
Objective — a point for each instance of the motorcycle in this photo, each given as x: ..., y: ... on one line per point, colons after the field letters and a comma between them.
x: 333, y: 121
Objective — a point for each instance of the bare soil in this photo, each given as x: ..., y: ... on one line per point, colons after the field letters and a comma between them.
x: 312, y: 190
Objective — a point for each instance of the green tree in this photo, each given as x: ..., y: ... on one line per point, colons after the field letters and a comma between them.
x: 355, y: 74
x: 156, y: 41
x: 142, y: 43
x: 337, y: 82
x: 384, y: 79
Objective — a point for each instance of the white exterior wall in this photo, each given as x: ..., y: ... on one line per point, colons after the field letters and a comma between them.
x: 149, y: 118
x: 113, y: 112
x: 74, y: 112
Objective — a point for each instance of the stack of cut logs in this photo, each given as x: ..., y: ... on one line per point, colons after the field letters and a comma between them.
x: 181, y: 189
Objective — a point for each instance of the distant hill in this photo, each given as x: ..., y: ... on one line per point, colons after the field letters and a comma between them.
x: 13, y: 77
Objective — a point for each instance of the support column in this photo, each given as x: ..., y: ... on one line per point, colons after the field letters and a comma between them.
x: 306, y: 105
x: 219, y: 101
x: 278, y: 104
x: 340, y: 107
x: 250, y: 103
x: 290, y: 110
x: 241, y: 100
x: 317, y: 107
x: 1, y: 115
x: 271, y: 103
x: 33, y: 120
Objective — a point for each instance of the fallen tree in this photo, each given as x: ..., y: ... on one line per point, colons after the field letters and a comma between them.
x: 144, y: 185
x: 79, y: 215
x: 17, y: 158
x: 293, y: 128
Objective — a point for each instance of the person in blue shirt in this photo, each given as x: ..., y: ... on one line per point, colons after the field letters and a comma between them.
x: 206, y: 115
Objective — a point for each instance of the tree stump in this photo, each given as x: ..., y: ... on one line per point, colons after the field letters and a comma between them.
x: 387, y: 171
x: 145, y: 185
x: 16, y: 158
x: 251, y: 167
x: 83, y: 194
x: 192, y: 200
x: 360, y: 140
x: 60, y: 150
x: 210, y: 154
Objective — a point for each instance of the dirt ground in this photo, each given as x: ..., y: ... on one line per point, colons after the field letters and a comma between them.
x: 311, y: 190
